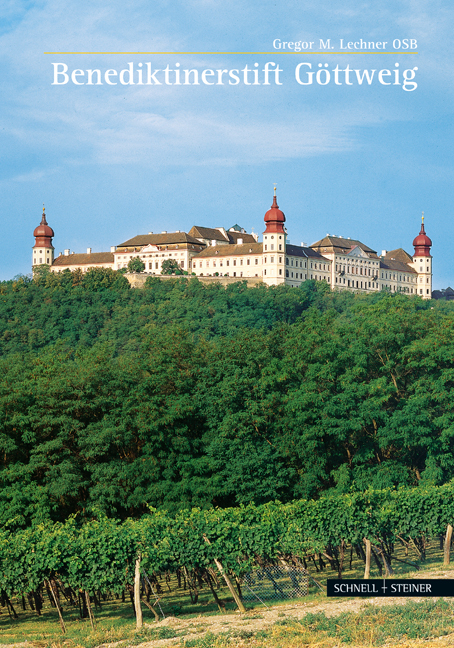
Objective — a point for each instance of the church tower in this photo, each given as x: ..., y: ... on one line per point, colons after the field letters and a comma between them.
x: 422, y: 263
x: 43, y: 250
x: 274, y: 245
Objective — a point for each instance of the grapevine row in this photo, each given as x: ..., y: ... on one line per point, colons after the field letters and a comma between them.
x: 104, y: 555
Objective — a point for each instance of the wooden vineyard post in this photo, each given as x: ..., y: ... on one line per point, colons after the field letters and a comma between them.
x: 57, y: 605
x: 90, y: 611
x: 368, y: 554
x: 229, y: 583
x: 447, y: 547
x: 137, y: 606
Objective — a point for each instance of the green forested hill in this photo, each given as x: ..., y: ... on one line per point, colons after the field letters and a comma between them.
x: 183, y: 395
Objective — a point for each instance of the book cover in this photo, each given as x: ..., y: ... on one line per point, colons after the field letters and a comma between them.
x: 122, y: 119
x: 160, y: 117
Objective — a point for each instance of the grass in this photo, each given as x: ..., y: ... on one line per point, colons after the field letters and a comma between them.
x: 115, y: 621
x: 371, y: 627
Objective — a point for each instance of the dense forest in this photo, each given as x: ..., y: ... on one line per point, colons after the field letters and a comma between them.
x: 178, y: 395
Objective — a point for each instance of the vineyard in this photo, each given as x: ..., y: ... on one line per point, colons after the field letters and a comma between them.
x: 80, y: 565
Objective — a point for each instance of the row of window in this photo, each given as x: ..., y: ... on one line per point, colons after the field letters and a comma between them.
x: 156, y: 265
x: 272, y: 259
x: 290, y: 262
x: 404, y: 289
x: 350, y: 283
x: 220, y: 262
x: 408, y: 278
x: 355, y: 270
x: 149, y: 256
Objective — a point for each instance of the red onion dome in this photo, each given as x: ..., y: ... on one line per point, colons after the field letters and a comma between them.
x: 43, y: 233
x: 43, y: 228
x: 274, y: 214
x: 274, y: 218
x: 422, y: 243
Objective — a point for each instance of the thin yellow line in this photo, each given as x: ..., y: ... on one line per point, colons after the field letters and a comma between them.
x: 274, y: 52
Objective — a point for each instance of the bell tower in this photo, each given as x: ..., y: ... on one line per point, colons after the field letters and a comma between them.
x: 422, y: 263
x: 274, y: 245
x: 43, y: 250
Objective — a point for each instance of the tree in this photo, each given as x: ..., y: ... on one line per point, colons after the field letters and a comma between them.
x: 170, y: 266
x: 40, y: 271
x: 136, y: 265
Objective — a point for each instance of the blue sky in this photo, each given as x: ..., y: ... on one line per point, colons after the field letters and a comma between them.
x: 110, y: 162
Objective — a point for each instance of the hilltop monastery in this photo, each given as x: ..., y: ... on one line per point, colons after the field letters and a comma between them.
x: 343, y: 263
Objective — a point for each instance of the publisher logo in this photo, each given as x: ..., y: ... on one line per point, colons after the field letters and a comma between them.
x: 389, y: 587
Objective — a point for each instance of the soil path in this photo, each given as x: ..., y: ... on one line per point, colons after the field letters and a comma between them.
x: 262, y: 619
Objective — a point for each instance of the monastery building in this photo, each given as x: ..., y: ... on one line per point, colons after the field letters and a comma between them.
x: 343, y: 263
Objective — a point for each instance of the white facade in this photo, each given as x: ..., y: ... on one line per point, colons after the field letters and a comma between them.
x: 43, y: 255
x: 343, y: 263
x: 423, y: 266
